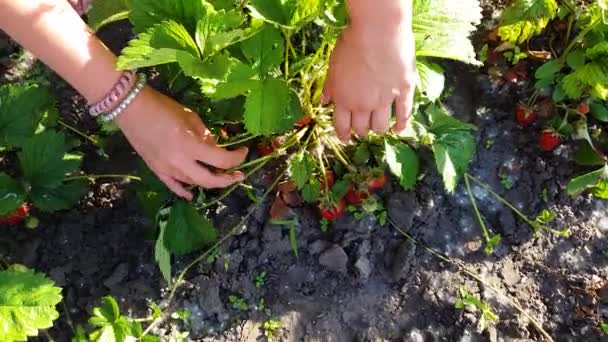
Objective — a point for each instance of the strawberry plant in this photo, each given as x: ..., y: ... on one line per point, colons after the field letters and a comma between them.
x: 572, y: 75
x: 29, y: 139
x: 255, y: 70
x: 27, y: 303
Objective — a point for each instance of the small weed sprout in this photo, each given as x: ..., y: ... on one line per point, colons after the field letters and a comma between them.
x: 271, y: 328
x: 467, y: 299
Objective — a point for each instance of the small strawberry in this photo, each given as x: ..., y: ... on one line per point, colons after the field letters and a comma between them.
x: 355, y: 197
x: 549, y: 140
x: 329, y: 181
x: 264, y: 149
x: 524, y: 115
x: 334, y: 211
x: 376, y: 182
x: 17, y: 216
x: 583, y: 108
x: 303, y: 122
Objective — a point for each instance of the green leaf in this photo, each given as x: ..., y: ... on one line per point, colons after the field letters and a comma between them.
x: 402, y: 162
x: 187, y: 230
x: 591, y: 78
x: 301, y: 169
x: 576, y: 59
x: 267, y: 108
x: 147, y: 13
x: 11, y: 194
x: 604, y: 327
x: 113, y: 327
x: 61, y: 197
x: 431, y: 79
x: 158, y: 45
x: 238, y: 82
x: 162, y: 255
x: 442, y: 28
x: 599, y: 111
x: 287, y: 13
x: 586, y: 155
x: 598, y: 51
x: 44, y: 161
x: 21, y: 109
x: 548, y: 70
x: 264, y: 50
x: 311, y: 191
x: 525, y: 19
x: 588, y: 181
x: 27, y: 304
x: 104, y: 12
x: 453, y: 145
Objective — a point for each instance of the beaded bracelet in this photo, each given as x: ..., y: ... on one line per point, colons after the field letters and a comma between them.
x: 125, y: 84
x: 139, y: 86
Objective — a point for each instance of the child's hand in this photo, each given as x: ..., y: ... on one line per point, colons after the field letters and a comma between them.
x: 172, y: 140
x: 373, y: 66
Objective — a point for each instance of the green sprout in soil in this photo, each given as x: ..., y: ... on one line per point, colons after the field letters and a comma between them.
x: 604, y: 327
x: 260, y: 280
x: 181, y: 314
x: 292, y: 225
x: 238, y: 303
x: 538, y: 224
x: 466, y: 299
x: 271, y: 328
x: 505, y: 180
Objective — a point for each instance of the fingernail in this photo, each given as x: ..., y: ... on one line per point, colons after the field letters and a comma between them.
x: 240, y: 176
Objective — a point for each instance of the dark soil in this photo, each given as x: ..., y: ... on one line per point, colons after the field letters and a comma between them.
x: 360, y: 281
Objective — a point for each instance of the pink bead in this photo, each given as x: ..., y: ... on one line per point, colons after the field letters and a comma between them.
x: 125, y: 83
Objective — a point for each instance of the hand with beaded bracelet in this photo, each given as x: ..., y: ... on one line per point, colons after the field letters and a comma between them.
x: 171, y: 139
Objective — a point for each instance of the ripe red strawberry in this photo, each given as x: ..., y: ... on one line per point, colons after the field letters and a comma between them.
x: 524, y: 115
x: 303, y: 122
x: 583, y: 108
x: 333, y: 213
x: 17, y: 216
x: 354, y: 197
x: 549, y: 140
x: 330, y: 178
x: 264, y: 149
x: 376, y: 182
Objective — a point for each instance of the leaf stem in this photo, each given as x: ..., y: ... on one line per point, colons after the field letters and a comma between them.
x: 237, y: 142
x: 79, y: 132
x: 484, y: 229
x: 94, y: 177
x: 460, y: 265
x: 579, y: 38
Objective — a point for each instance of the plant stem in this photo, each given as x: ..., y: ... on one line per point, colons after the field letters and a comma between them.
x: 460, y: 265
x: 579, y: 38
x: 94, y: 177
x: 484, y: 229
x: 178, y: 282
x: 79, y: 132
x: 237, y: 142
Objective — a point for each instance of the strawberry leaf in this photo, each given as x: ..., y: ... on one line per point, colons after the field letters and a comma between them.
x: 44, y: 162
x: 269, y: 108
x: 431, y: 80
x: 158, y: 45
x: 264, y: 50
x: 187, y: 230
x: 402, y: 162
x: 104, y: 12
x: 112, y: 326
x: 12, y: 194
x: 61, y: 197
x: 162, y: 255
x: 525, y: 19
x: 301, y: 169
x: 27, y: 304
x: 147, y: 13
x: 21, y: 109
x: 442, y: 28
x: 589, y: 181
x: 453, y: 145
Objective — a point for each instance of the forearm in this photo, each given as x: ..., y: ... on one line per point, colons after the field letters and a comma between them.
x: 54, y: 32
x: 380, y: 14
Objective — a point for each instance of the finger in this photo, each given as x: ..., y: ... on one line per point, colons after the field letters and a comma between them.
x: 219, y: 157
x: 343, y: 120
x: 403, y: 107
x: 175, y: 186
x: 381, y: 119
x: 361, y: 122
x: 210, y: 180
